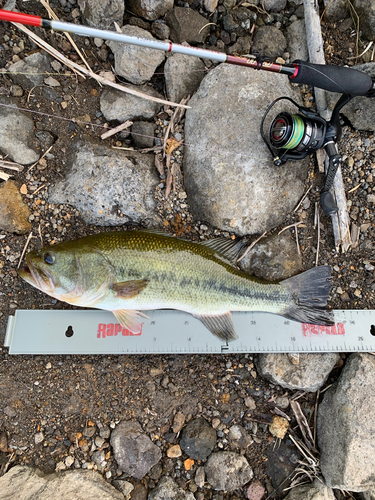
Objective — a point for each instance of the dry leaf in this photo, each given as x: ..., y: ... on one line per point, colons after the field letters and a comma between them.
x: 168, y: 183
x: 159, y: 164
x: 23, y: 189
x: 171, y: 145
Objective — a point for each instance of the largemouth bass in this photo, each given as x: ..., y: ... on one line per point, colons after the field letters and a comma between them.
x: 127, y: 272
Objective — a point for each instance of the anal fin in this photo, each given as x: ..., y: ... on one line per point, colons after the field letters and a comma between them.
x: 130, y: 319
x: 220, y: 325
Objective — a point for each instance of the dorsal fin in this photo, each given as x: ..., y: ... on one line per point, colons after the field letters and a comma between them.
x: 226, y: 248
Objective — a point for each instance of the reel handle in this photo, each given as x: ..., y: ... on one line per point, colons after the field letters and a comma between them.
x: 332, y: 78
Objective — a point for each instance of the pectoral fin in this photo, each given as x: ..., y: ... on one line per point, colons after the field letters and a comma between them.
x: 220, y: 325
x: 129, y: 289
x: 130, y: 319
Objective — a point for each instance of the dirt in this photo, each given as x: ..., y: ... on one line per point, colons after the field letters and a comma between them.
x: 60, y: 395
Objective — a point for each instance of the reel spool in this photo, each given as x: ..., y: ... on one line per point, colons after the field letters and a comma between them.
x: 294, y: 136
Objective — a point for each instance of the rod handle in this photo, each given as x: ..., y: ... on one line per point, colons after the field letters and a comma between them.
x: 332, y: 78
x: 17, y: 17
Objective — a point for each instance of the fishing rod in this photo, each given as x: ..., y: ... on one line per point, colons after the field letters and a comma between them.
x: 290, y: 136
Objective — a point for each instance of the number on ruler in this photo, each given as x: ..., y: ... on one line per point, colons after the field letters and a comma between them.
x: 293, y: 339
x: 252, y: 322
x: 286, y: 322
x: 360, y: 339
x: 258, y: 339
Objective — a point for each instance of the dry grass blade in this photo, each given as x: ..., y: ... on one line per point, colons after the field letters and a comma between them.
x: 83, y: 71
x: 11, y: 165
x: 55, y: 17
x: 291, y: 225
x: 114, y: 131
x: 251, y: 246
x: 159, y: 164
x: 169, y: 182
x: 304, y: 450
x: 175, y: 118
x: 281, y: 413
x: 354, y: 235
x: 354, y: 13
x: 303, y: 425
x: 24, y: 248
x: 316, y: 416
x: 317, y: 218
x: 301, y: 200
x: 5, y: 465
x: 4, y: 176
x: 41, y: 158
x: 364, y: 52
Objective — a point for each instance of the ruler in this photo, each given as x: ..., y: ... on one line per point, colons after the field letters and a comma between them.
x: 174, y: 332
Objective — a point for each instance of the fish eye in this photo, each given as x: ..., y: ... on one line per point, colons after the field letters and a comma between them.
x: 49, y: 258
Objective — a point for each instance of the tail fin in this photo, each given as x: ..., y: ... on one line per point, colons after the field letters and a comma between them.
x: 310, y: 291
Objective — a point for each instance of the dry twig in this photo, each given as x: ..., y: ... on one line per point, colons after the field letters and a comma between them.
x: 303, y: 197
x: 251, y: 246
x: 11, y: 165
x: 114, y: 131
x: 24, y: 248
x: 317, y: 218
x: 300, y: 223
x: 303, y: 425
x: 43, y: 155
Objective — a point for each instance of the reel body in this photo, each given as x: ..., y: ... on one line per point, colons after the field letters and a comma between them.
x: 294, y: 136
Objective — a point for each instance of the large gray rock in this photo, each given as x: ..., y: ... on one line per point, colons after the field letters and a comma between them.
x: 149, y: 9
x: 346, y: 427
x: 313, y: 491
x: 335, y: 10
x: 167, y: 489
x: 269, y: 41
x: 134, y: 452
x: 109, y: 187
x: 136, y: 64
x: 187, y: 25
x: 26, y: 483
x: 31, y: 70
x: 308, y: 375
x: 274, y: 5
x: 227, y: 471
x: 296, y: 38
x: 230, y: 178
x: 366, y: 12
x: 16, y: 134
x: 183, y: 75
x: 360, y: 111
x: 118, y: 105
x: 274, y: 258
x: 102, y: 14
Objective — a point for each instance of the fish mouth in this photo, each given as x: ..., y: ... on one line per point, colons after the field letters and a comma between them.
x: 36, y: 276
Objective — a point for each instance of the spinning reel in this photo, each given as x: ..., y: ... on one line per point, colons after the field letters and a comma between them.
x: 295, y: 136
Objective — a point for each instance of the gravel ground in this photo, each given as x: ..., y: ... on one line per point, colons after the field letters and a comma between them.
x: 51, y: 402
